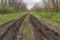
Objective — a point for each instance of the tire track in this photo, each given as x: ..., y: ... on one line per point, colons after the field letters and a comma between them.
x: 12, y: 31
x: 42, y: 30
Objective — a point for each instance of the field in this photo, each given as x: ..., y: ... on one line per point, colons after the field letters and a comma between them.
x: 7, y: 17
x: 29, y: 27
x: 51, y: 18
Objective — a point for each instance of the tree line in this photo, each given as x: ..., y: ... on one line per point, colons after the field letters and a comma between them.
x: 8, y: 6
x: 47, y: 6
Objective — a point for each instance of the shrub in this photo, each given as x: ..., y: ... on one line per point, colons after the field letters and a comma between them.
x: 4, y: 10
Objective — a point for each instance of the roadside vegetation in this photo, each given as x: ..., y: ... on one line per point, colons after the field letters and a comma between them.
x: 52, y: 18
x: 25, y: 30
x: 26, y: 33
x: 11, y: 9
x: 47, y: 11
x: 7, y: 17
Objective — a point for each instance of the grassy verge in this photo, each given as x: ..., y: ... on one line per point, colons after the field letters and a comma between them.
x: 7, y: 17
x: 53, y: 18
x: 25, y: 31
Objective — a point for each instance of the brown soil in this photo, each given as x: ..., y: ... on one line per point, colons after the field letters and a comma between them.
x: 39, y: 31
x: 10, y: 30
x: 42, y: 31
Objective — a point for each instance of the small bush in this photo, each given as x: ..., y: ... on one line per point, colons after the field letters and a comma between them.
x: 4, y: 10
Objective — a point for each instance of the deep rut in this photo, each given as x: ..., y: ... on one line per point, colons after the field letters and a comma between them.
x: 12, y: 29
x: 42, y: 31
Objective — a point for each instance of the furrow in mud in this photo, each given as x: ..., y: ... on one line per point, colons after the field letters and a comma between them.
x: 12, y: 29
x: 42, y: 30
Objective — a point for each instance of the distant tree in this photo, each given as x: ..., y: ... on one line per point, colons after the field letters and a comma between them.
x: 52, y: 5
x: 36, y: 8
x: 1, y: 2
x: 18, y: 5
x: 21, y: 6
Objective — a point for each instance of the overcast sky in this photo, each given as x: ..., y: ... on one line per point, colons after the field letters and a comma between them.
x: 30, y: 3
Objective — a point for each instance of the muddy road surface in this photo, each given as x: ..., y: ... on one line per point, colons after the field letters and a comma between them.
x: 12, y: 29
x: 42, y: 32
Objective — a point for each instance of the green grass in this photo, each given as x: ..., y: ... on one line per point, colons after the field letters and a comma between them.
x: 53, y: 18
x: 25, y: 31
x: 7, y: 17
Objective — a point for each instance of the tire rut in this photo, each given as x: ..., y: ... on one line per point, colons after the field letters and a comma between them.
x: 44, y: 33
x: 12, y: 31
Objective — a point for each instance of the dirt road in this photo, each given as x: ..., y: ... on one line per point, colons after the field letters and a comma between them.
x: 42, y: 32
x: 11, y: 30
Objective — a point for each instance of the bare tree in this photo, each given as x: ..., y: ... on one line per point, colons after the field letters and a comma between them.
x: 37, y: 8
x: 1, y: 2
x: 51, y: 5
